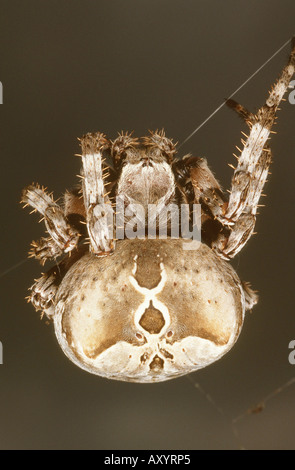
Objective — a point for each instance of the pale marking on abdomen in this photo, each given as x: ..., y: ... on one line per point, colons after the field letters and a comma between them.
x: 150, y: 296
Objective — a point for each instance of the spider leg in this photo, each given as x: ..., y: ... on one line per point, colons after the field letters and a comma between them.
x: 250, y: 175
x: 250, y: 186
x: 44, y: 249
x: 73, y: 203
x: 197, y: 185
x: 43, y: 292
x: 158, y: 140
x: 63, y: 237
x: 44, y: 289
x: 99, y: 211
x: 251, y: 297
x: 120, y: 145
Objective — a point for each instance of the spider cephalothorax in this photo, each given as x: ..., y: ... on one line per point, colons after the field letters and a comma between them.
x: 145, y: 175
x: 149, y: 308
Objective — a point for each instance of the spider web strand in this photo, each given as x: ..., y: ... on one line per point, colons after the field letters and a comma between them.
x: 236, y: 91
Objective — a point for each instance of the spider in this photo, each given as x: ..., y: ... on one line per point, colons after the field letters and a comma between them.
x: 144, y: 309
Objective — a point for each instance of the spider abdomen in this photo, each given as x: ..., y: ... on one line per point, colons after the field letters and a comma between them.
x: 150, y: 311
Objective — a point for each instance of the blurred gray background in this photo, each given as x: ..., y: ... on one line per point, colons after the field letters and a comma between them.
x: 69, y: 67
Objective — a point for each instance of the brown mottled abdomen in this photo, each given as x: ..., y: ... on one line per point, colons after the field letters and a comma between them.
x: 149, y: 312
